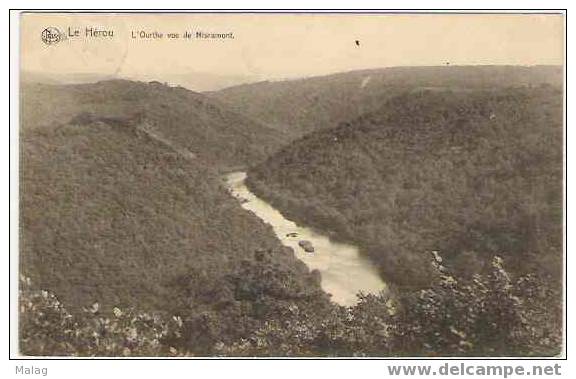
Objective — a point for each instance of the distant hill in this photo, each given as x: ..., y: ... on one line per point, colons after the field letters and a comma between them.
x: 300, y: 106
x: 192, y: 80
x: 471, y: 174
x: 191, y: 121
x: 198, y: 81
x: 27, y: 77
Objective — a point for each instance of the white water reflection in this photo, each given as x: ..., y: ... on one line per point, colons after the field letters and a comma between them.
x: 344, y: 272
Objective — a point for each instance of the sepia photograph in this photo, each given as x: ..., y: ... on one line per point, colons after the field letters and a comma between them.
x: 290, y: 185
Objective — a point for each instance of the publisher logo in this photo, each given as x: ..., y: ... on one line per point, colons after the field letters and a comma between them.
x: 51, y: 36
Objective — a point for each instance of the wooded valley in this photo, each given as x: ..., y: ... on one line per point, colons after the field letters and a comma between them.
x: 449, y: 180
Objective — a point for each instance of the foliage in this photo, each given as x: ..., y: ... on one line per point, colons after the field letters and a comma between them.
x: 47, y: 328
x: 258, y: 292
x: 472, y: 174
x: 488, y: 315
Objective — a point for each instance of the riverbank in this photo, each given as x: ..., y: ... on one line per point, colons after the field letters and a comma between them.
x: 344, y: 272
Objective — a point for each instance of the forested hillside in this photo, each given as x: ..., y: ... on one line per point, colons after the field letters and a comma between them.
x: 112, y: 214
x: 299, y: 106
x: 470, y: 174
x: 130, y: 244
x: 188, y: 120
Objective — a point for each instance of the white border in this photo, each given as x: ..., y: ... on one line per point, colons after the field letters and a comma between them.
x: 252, y: 369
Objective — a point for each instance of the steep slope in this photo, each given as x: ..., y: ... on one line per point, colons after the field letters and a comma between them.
x: 471, y: 175
x: 112, y: 212
x: 300, y: 106
x: 109, y: 214
x: 190, y: 120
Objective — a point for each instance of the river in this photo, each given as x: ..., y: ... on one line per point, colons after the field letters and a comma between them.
x: 343, y: 270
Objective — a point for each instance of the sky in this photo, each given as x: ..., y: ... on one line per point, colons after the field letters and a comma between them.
x: 273, y: 46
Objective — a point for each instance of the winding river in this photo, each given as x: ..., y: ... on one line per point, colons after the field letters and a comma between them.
x: 343, y: 270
